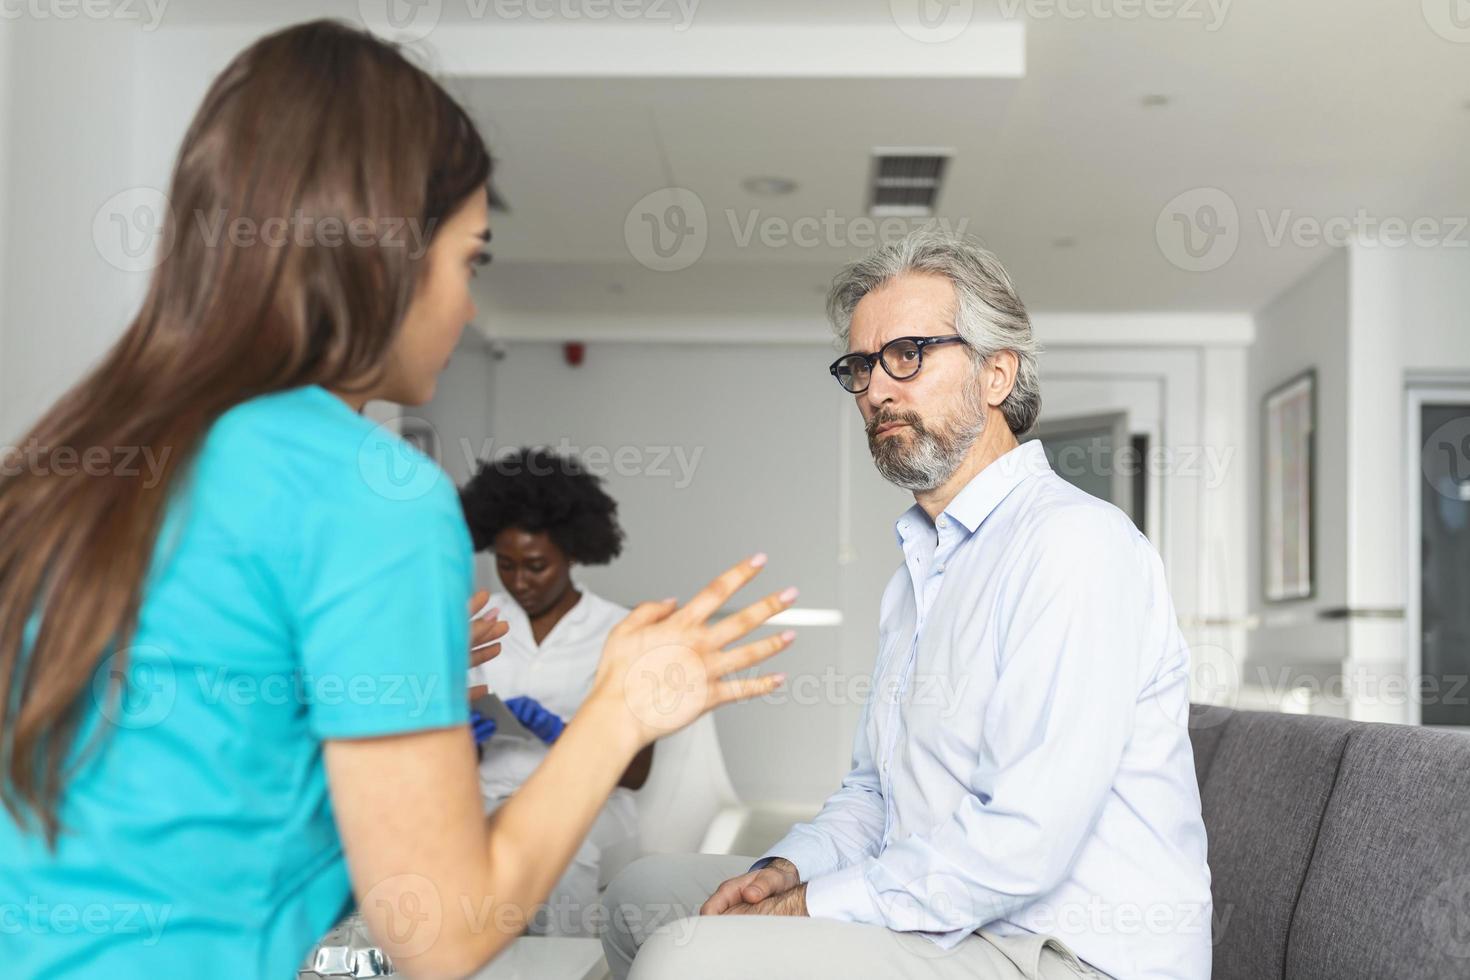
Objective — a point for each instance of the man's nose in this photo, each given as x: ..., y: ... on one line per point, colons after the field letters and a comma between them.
x: 881, y: 389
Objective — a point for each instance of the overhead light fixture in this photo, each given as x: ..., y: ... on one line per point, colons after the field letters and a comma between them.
x: 806, y: 617
x: 768, y: 186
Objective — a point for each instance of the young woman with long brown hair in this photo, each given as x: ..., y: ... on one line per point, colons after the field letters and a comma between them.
x: 232, y: 687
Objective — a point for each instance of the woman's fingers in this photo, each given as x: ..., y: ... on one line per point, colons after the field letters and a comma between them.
x: 736, y: 625
x: 724, y: 662
x: 478, y: 691
x: 477, y: 602
x: 745, y: 688
x: 646, y: 614
x: 483, y: 631
x: 484, y: 654
x: 718, y: 592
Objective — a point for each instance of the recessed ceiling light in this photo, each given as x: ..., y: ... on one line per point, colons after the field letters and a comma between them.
x: 768, y: 186
x: 1154, y: 101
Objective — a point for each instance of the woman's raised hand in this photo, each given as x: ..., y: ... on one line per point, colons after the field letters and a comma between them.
x: 663, y: 666
x: 484, y: 632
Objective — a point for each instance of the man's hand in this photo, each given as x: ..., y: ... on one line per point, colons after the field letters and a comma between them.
x: 483, y: 634
x: 792, y: 902
x: 754, y: 887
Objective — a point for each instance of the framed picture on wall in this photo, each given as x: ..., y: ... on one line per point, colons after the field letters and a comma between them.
x: 1288, y: 464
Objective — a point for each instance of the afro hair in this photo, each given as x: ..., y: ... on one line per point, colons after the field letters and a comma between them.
x: 534, y: 490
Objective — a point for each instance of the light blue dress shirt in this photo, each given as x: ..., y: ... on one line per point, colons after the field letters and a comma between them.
x: 1024, y: 763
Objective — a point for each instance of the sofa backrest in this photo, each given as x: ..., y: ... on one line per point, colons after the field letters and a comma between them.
x: 1388, y: 890
x: 1337, y: 849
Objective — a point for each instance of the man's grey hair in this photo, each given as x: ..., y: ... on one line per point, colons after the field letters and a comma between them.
x: 988, y: 313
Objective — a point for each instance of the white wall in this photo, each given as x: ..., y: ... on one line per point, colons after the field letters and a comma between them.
x: 1305, y: 327
x: 714, y: 452
x: 7, y: 96
x: 1370, y: 319
x: 1409, y: 319
x: 68, y: 145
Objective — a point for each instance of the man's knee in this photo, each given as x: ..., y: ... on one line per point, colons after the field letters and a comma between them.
x: 690, y: 947
x: 638, y: 899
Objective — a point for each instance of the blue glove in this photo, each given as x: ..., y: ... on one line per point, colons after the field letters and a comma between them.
x: 540, y: 722
x: 483, y: 727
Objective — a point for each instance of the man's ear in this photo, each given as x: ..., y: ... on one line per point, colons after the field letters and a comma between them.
x: 1000, y: 376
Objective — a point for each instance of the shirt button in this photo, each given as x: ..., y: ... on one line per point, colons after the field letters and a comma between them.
x: 942, y: 523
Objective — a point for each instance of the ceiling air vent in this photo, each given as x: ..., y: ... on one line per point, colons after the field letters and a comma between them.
x: 906, y: 181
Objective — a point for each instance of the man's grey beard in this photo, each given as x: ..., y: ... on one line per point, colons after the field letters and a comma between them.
x: 927, y: 458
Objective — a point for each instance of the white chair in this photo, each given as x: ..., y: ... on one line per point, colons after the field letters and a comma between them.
x: 688, y: 805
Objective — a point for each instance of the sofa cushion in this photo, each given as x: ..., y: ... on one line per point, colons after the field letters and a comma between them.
x: 1265, y: 788
x: 1388, y: 892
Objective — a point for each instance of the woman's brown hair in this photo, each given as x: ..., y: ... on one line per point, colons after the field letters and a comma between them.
x: 319, y: 129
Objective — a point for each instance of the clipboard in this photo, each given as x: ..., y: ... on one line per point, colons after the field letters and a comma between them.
x: 506, y: 723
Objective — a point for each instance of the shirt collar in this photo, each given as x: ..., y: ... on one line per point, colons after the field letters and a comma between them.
x: 983, y: 493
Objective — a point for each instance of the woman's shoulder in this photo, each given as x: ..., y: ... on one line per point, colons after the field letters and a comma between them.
x: 313, y: 442
x: 279, y: 458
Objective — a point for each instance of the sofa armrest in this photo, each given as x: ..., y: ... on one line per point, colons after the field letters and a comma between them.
x: 751, y: 828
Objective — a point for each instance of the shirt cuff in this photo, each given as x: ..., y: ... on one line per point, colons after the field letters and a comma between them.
x: 843, y: 895
x: 805, y: 854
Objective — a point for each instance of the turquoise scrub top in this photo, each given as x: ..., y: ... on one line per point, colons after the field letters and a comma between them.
x: 310, y: 582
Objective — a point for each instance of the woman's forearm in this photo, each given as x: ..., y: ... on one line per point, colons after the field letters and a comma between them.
x: 532, y: 838
x: 442, y: 888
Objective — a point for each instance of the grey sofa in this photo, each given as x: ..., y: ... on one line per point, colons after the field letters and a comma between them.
x: 1338, y: 850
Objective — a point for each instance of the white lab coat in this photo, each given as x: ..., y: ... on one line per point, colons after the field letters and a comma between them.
x: 558, y: 674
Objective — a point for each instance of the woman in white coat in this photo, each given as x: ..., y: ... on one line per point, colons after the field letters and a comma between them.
x: 542, y: 515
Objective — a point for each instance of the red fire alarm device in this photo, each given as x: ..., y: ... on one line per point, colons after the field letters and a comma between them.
x: 574, y: 352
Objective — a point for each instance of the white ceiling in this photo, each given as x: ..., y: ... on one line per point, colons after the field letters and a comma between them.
x: 1315, y: 108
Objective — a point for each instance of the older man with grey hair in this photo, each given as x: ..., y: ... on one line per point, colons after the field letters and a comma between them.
x: 1048, y: 825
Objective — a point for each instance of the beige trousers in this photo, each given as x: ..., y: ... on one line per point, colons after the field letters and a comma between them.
x: 654, y: 932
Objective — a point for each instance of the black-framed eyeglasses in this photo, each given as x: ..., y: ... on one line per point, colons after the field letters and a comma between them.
x: 901, y: 358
